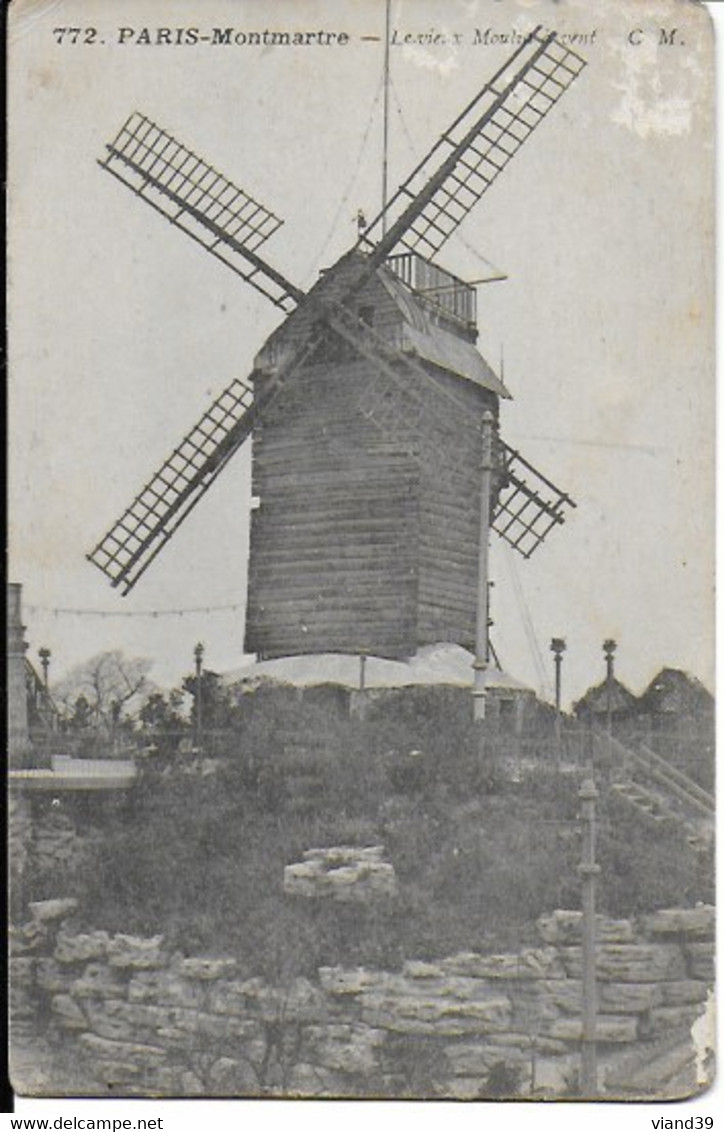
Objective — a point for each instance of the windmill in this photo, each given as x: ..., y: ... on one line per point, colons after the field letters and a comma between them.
x: 365, y: 406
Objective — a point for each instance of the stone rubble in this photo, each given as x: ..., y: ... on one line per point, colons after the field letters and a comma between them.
x: 347, y: 873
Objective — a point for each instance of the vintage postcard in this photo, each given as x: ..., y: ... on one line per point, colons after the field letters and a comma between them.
x: 360, y: 616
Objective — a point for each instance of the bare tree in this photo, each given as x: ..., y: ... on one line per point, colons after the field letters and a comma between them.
x: 109, y: 682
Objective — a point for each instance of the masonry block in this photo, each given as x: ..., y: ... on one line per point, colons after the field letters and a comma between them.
x: 165, y: 988
x: 98, y: 980
x: 629, y: 962
x: 700, y: 960
x: 609, y: 1028
x: 684, y: 991
x: 81, y: 948
x: 135, y: 952
x: 692, y: 923
x: 566, y: 927
x: 416, y: 1015
x: 531, y: 963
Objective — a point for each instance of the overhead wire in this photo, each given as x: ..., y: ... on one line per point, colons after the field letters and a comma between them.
x: 530, y: 632
x: 64, y: 611
x: 344, y: 202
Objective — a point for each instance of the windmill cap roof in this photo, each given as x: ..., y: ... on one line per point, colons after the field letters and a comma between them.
x: 423, y: 332
x: 434, y: 342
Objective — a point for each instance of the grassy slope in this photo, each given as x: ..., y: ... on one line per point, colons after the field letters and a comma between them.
x: 478, y: 857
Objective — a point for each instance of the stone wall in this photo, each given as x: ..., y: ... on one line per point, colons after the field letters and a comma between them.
x: 46, y: 841
x: 149, y: 1022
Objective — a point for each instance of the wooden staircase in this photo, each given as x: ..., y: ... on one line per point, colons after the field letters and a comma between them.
x: 659, y: 791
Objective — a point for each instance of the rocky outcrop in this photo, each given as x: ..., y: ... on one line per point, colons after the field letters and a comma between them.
x: 347, y: 873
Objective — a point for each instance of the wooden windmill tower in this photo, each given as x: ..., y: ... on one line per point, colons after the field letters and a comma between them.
x: 364, y: 406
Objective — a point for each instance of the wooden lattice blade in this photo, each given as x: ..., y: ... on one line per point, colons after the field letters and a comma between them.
x: 128, y: 548
x: 207, y: 206
x: 132, y: 543
x: 528, y: 505
x: 471, y: 154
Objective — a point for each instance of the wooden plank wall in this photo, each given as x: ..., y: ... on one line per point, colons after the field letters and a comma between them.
x: 356, y: 545
x: 449, y: 530
x: 334, y: 542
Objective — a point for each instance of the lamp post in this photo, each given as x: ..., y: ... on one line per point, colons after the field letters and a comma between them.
x: 199, y: 658
x: 45, y: 655
x: 609, y: 648
x: 558, y: 647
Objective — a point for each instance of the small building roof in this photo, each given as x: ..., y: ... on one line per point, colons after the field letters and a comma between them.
x: 596, y: 700
x: 673, y: 690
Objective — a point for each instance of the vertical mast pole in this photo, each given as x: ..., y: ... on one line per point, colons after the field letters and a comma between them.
x: 385, y: 114
x: 481, y: 627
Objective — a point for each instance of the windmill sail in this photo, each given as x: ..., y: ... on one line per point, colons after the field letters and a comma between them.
x: 203, y: 203
x: 144, y: 528
x: 528, y: 505
x: 127, y: 550
x: 424, y: 212
x: 471, y: 154
x: 132, y: 543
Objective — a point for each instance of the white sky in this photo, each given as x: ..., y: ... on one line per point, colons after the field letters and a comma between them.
x: 122, y: 330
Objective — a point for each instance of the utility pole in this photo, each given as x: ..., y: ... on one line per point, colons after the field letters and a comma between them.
x: 481, y: 626
x: 558, y: 647
x: 588, y: 871
x: 199, y: 658
x: 45, y: 655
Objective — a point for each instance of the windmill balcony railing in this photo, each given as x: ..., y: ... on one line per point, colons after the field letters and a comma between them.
x: 436, y: 288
